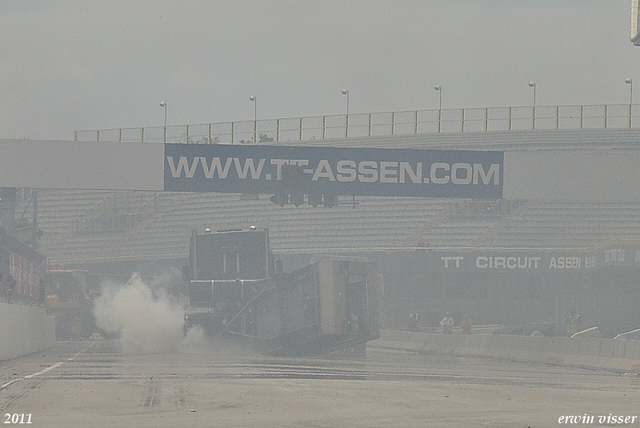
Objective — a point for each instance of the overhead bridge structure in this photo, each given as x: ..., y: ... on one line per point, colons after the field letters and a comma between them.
x: 574, y: 165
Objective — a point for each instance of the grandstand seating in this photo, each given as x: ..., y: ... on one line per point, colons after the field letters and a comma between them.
x: 373, y: 224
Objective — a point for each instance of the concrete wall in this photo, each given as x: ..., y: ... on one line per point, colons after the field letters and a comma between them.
x: 24, y: 330
x: 610, y: 354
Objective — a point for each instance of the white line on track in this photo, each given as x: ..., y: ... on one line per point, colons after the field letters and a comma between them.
x: 51, y: 367
x: 56, y: 365
x: 9, y: 383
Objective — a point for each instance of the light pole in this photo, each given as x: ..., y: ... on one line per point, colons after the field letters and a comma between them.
x: 255, y: 118
x: 439, y: 89
x: 164, y: 106
x: 630, y: 83
x: 532, y: 85
x: 346, y: 120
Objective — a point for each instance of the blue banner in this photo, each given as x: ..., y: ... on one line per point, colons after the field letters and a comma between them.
x: 333, y: 171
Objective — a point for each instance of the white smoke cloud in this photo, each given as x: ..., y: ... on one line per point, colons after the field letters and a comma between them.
x: 196, y: 341
x: 147, y: 321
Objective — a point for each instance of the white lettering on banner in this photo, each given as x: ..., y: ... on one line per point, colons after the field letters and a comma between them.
x: 368, y: 172
x: 210, y: 170
x: 455, y: 176
x: 300, y: 162
x: 278, y: 163
x: 388, y: 172
x: 447, y: 259
x: 439, y: 173
x: 614, y: 255
x: 323, y: 171
x: 248, y: 166
x: 415, y: 176
x: 176, y: 172
x: 494, y: 171
x: 503, y: 262
x: 345, y: 170
x: 565, y: 263
x: 435, y: 178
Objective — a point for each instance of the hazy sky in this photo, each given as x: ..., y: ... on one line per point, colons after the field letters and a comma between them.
x: 67, y: 65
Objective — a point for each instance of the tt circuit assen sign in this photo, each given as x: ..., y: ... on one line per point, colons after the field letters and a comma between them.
x: 337, y: 171
x: 624, y: 253
x: 509, y: 260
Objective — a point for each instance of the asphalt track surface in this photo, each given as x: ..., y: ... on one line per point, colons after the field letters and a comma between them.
x: 93, y: 383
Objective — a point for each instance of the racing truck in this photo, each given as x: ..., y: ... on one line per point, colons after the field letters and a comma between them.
x: 238, y: 291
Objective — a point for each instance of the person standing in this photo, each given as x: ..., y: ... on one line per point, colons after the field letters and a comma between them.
x: 572, y: 323
x: 413, y: 322
x: 11, y: 284
x: 466, y: 324
x: 447, y: 323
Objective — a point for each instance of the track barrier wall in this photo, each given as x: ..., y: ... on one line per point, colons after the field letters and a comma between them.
x: 598, y: 353
x: 25, y: 329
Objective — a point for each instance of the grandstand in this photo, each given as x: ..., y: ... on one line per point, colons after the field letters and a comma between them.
x: 83, y: 226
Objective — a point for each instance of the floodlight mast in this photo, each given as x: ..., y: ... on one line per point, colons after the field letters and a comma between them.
x: 635, y: 22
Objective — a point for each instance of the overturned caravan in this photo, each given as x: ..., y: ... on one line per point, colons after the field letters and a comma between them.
x: 238, y: 292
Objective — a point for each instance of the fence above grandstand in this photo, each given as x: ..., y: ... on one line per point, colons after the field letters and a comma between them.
x: 379, y: 124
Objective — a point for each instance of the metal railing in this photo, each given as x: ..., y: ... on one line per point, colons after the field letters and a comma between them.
x: 378, y: 124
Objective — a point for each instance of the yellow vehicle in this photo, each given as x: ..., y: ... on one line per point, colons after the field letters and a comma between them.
x: 68, y: 302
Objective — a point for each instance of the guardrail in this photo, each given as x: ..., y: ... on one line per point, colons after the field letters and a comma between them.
x: 378, y: 124
x: 608, y: 354
x: 475, y: 329
x: 590, y: 332
x: 630, y: 335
